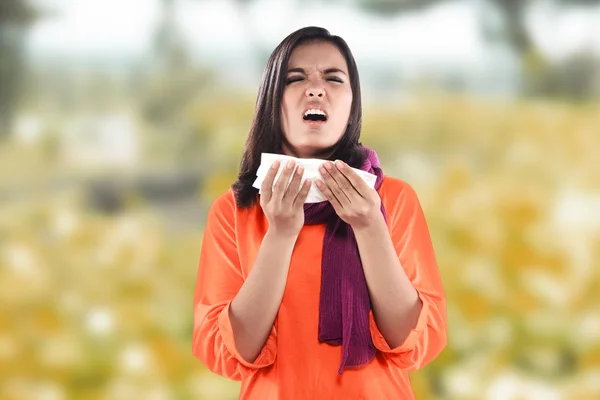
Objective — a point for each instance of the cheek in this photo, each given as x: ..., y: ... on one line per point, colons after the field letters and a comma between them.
x: 348, y: 100
x: 345, y: 102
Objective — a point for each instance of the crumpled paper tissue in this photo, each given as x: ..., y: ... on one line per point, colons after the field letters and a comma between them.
x: 311, y: 170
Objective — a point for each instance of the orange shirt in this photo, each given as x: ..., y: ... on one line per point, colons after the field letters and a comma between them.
x: 293, y: 364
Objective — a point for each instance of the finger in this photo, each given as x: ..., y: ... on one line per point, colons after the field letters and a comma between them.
x: 355, y: 180
x: 329, y: 195
x: 327, y: 171
x: 284, y: 178
x: 344, y: 184
x: 292, y: 189
x: 266, y: 188
x: 302, y: 194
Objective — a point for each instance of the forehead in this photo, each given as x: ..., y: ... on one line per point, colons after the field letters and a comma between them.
x: 320, y: 55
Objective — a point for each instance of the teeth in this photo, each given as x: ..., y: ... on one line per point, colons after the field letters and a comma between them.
x: 314, y: 111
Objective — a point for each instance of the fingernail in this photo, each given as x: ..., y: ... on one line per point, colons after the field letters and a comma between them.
x: 275, y: 165
x: 299, y: 170
x: 328, y: 165
x: 339, y: 163
x: 290, y: 164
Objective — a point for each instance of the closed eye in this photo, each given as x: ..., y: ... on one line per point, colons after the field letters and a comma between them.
x: 293, y: 79
x: 299, y: 78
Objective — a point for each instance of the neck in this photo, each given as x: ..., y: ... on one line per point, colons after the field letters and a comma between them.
x: 323, y: 154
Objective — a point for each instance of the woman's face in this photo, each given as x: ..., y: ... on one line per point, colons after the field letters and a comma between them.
x: 316, y: 100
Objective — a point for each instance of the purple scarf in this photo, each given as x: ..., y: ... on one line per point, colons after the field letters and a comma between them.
x: 345, y: 302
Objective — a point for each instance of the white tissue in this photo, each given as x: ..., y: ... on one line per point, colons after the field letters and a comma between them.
x: 311, y: 170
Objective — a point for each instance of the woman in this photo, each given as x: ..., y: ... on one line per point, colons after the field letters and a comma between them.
x: 338, y: 299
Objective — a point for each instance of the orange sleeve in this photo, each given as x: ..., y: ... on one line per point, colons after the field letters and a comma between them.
x: 412, y: 242
x: 218, y: 281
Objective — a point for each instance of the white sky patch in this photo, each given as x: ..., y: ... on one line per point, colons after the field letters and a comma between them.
x: 90, y: 26
x: 560, y: 32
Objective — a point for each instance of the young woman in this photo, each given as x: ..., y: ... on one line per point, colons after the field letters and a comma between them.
x: 338, y: 299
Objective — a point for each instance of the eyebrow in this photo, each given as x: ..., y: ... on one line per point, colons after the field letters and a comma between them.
x: 327, y: 71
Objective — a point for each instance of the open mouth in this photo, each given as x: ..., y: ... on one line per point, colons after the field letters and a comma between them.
x: 315, y: 115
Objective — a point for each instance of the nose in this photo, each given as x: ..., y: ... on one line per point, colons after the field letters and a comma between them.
x: 315, y: 91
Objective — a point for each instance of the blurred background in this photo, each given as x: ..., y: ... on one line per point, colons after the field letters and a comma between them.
x: 122, y: 120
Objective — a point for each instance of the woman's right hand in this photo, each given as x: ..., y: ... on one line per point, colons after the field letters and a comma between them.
x: 284, y: 206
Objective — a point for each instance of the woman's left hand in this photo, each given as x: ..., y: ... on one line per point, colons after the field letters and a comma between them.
x: 353, y: 200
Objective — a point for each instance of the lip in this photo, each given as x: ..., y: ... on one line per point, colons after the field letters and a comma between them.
x: 314, y: 124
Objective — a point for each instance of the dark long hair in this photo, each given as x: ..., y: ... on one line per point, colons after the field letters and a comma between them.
x: 265, y: 134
